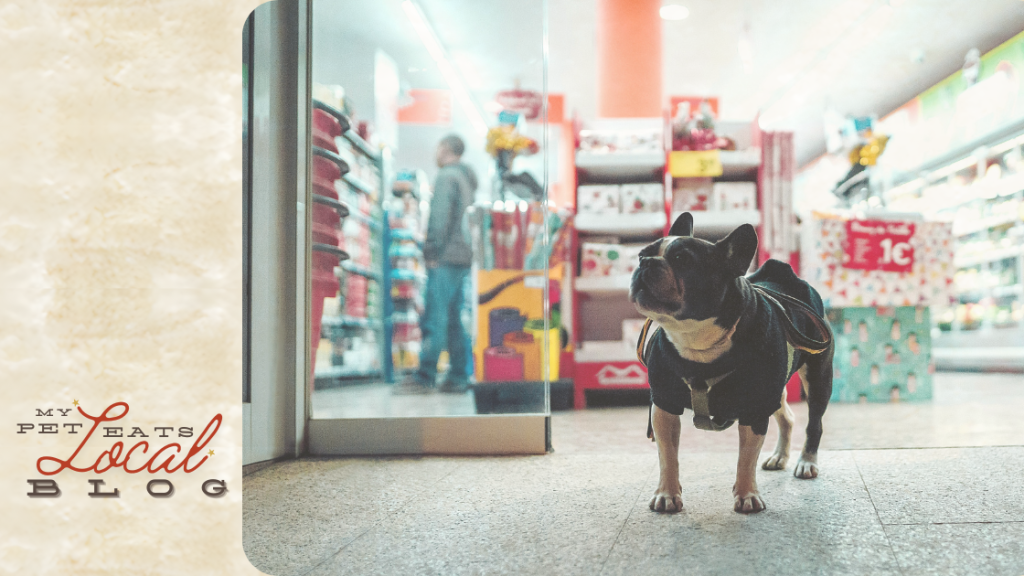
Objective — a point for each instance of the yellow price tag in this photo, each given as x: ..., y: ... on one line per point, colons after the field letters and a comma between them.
x: 702, y: 163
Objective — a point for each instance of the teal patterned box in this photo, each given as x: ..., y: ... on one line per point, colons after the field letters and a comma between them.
x: 882, y: 354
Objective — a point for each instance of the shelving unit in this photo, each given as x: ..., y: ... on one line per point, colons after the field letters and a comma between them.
x: 409, y: 201
x: 354, y: 325
x: 603, y: 360
x: 984, y: 199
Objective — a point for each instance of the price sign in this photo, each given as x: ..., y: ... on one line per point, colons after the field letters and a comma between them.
x: 703, y: 163
x: 879, y: 245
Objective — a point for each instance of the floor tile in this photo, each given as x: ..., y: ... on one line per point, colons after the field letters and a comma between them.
x: 821, y: 526
x: 539, y: 515
x: 945, y: 485
x: 297, y: 513
x: 959, y: 549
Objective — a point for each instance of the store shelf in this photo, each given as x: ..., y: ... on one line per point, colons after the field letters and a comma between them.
x: 961, y: 228
x: 1011, y: 290
x: 986, y: 257
x: 719, y: 223
x: 355, y: 183
x: 606, y: 351
x: 406, y: 234
x: 643, y: 224
x: 340, y: 116
x: 407, y: 275
x: 365, y: 219
x: 340, y: 207
x: 356, y: 269
x: 350, y: 322
x: 337, y: 160
x: 736, y: 163
x: 620, y: 165
x: 361, y: 145
x: 343, y: 373
x: 598, y: 285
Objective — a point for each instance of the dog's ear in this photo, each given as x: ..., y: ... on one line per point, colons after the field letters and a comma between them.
x: 738, y: 249
x: 683, y: 225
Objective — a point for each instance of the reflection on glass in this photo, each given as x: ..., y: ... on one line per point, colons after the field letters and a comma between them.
x: 431, y: 290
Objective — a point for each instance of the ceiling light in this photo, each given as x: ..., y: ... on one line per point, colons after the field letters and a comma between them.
x: 674, y: 12
x: 433, y: 45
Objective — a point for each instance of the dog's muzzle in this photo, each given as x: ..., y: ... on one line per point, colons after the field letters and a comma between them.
x: 654, y: 285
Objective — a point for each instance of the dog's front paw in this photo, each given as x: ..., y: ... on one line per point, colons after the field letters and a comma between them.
x: 667, y: 501
x: 776, y: 462
x: 748, y: 502
x: 806, y: 468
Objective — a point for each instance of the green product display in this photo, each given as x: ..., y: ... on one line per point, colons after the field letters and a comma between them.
x: 882, y: 354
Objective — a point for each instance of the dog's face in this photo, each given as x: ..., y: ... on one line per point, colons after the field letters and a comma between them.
x: 683, y: 277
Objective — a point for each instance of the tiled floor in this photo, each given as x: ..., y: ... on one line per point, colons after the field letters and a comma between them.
x: 908, y: 489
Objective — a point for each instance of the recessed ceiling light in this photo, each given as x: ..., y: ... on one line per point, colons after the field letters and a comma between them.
x: 674, y: 12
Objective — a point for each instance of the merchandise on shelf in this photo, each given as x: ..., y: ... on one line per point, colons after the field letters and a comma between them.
x: 631, y: 328
x: 692, y: 194
x: 882, y: 354
x: 621, y: 141
x: 347, y: 321
x: 726, y: 196
x: 639, y: 198
x: 929, y: 281
x: 609, y: 259
x: 599, y: 199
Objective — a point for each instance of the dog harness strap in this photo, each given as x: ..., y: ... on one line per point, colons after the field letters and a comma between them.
x: 799, y: 340
x: 641, y: 343
x: 699, y: 389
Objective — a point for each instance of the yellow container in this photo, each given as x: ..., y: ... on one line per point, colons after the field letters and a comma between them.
x: 554, y: 346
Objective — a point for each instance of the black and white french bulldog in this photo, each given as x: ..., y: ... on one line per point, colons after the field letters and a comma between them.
x: 727, y: 333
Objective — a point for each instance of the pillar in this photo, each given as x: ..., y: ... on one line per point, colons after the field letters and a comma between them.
x: 629, y: 59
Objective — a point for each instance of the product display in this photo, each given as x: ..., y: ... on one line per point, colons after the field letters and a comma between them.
x: 692, y: 194
x: 410, y: 196
x: 347, y: 307
x: 929, y: 281
x: 882, y: 354
x: 726, y: 196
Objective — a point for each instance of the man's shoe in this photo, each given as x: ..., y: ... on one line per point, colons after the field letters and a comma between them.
x: 411, y: 386
x: 452, y: 387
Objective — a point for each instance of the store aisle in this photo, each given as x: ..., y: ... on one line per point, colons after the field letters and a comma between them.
x: 905, y: 489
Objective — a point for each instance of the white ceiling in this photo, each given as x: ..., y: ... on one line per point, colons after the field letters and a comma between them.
x: 859, y: 56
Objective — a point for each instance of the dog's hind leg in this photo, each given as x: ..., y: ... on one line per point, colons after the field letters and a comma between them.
x: 784, y: 418
x: 816, y: 377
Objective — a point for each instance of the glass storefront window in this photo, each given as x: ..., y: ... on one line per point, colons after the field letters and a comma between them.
x: 432, y: 292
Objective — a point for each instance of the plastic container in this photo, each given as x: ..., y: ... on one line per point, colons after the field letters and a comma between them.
x: 501, y: 322
x: 325, y: 129
x: 526, y: 345
x: 536, y: 329
x: 502, y: 364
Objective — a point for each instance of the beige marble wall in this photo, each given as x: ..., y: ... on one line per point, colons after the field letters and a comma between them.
x: 120, y: 271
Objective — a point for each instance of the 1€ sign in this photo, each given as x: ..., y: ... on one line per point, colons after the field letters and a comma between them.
x: 879, y: 245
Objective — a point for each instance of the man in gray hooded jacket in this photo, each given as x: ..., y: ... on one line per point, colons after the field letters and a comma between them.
x: 449, y: 255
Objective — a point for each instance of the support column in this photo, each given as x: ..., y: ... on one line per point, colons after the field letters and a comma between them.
x: 629, y: 59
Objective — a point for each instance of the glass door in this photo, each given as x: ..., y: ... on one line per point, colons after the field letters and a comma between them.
x: 431, y: 282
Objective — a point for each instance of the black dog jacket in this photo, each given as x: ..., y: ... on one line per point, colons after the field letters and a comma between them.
x: 759, y: 363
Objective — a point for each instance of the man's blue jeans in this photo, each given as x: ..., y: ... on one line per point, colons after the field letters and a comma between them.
x: 441, y: 325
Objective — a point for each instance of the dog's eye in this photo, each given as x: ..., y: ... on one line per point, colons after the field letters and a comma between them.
x: 681, y: 257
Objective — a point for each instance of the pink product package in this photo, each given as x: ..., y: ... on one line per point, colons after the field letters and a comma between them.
x: 637, y: 198
x: 629, y: 259
x: 631, y: 328
x: 692, y: 194
x: 600, y: 259
x: 599, y: 199
x: 735, y: 196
